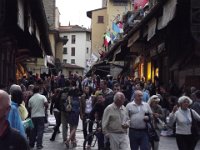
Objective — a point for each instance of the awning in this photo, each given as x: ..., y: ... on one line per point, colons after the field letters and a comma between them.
x: 133, y: 38
x: 101, y: 68
x: 169, y: 11
x: 151, y: 28
x: 51, y: 60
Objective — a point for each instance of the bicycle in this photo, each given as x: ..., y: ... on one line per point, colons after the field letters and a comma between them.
x: 92, y: 137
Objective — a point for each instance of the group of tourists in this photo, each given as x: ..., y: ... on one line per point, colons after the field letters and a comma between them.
x: 132, y: 113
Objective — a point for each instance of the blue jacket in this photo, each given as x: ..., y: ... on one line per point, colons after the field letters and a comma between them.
x: 15, y: 119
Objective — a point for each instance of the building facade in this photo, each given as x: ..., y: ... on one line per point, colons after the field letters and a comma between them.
x: 23, y: 36
x: 77, y: 51
x: 104, y: 22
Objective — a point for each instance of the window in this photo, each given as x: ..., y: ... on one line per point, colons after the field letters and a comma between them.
x: 87, y: 50
x: 88, y: 37
x: 73, y: 39
x: 73, y: 51
x: 65, y: 50
x: 72, y: 61
x: 100, y: 19
x: 64, y: 61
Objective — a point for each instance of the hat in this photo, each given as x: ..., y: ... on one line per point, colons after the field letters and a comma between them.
x: 183, y: 98
x: 153, y: 98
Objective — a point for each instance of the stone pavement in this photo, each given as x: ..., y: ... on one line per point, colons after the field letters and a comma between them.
x: 166, y: 143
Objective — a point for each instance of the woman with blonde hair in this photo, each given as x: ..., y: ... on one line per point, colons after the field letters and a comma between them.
x: 157, y: 117
x: 184, y: 117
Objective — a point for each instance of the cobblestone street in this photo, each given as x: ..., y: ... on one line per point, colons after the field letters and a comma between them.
x: 166, y: 143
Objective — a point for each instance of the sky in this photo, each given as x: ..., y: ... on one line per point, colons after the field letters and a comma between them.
x: 74, y: 11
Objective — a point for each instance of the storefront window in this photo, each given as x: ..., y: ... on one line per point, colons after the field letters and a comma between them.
x: 149, y: 71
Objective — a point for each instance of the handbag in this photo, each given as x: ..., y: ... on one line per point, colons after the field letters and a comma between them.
x: 161, y: 124
x: 28, y: 123
x: 69, y: 106
x: 195, y: 125
x: 153, y: 136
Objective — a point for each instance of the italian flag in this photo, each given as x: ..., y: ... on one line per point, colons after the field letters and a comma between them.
x: 107, y: 39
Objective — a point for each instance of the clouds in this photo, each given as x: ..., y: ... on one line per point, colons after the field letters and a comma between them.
x: 75, y: 11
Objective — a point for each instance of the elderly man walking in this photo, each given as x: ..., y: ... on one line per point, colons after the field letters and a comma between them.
x: 139, y: 112
x: 9, y: 137
x: 116, y: 122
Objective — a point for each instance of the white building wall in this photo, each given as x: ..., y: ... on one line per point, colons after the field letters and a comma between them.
x: 81, y: 45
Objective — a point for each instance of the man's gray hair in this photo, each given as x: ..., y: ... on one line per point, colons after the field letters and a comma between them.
x: 15, y: 87
x: 5, y: 97
x: 117, y: 96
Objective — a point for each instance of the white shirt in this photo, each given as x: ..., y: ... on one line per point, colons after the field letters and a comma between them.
x: 36, y: 103
x: 137, y: 113
x: 183, y: 126
x: 88, y: 105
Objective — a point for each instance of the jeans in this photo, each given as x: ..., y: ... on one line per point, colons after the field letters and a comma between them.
x: 139, y: 138
x: 57, y: 116
x: 100, y: 139
x: 87, y: 127
x: 37, y: 132
x: 64, y: 121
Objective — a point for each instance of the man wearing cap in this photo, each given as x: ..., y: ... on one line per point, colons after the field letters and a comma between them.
x: 9, y: 138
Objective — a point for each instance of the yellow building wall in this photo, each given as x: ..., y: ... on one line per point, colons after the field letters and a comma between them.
x: 98, y: 30
x: 113, y: 11
x: 52, y: 41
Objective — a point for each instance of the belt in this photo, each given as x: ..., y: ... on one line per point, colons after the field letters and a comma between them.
x: 138, y: 129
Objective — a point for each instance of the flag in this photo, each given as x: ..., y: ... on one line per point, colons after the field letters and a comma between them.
x: 107, y: 38
x: 115, y: 28
x: 140, y: 3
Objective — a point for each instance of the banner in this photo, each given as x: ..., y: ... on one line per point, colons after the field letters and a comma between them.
x: 139, y: 3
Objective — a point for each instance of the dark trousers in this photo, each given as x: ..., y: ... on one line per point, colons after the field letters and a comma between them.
x: 100, y: 139
x: 37, y: 132
x: 186, y: 142
x: 87, y: 128
x: 57, y: 116
x: 139, y: 139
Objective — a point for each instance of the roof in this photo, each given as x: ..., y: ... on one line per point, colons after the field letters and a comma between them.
x: 89, y: 13
x: 73, y: 28
x: 67, y: 65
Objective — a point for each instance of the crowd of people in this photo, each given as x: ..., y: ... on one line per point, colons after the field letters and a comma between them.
x: 132, y: 113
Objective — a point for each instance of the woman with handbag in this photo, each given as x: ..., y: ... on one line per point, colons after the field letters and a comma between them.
x: 184, y: 118
x: 157, y: 117
x: 87, y: 104
x: 73, y: 109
